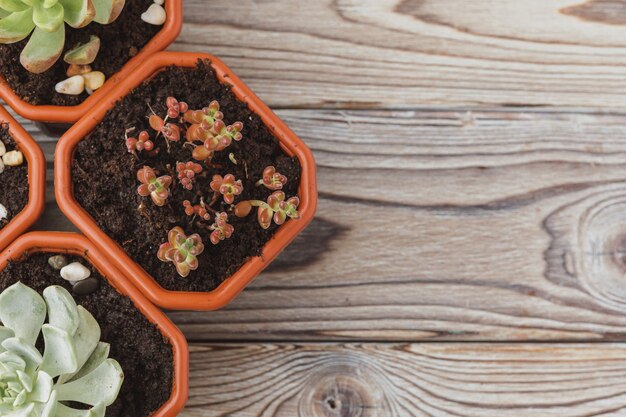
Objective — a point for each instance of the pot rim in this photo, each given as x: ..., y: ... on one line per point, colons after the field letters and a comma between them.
x: 75, y: 244
x: 36, y: 181
x: 230, y: 287
x: 69, y: 114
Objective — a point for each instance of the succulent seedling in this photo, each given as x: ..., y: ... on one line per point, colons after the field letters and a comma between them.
x: 44, y: 21
x: 228, y: 186
x: 181, y: 250
x: 175, y: 108
x: 220, y: 228
x: 276, y: 208
x: 170, y: 131
x: 156, y: 188
x: 74, y: 367
x: 186, y: 173
x: 140, y: 143
x: 272, y: 180
x: 199, y: 210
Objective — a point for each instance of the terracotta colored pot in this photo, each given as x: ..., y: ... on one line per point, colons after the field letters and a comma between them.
x: 36, y: 181
x: 176, y: 300
x: 76, y: 244
x: 70, y: 114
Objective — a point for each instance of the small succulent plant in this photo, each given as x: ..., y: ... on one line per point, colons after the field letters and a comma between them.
x: 175, y: 108
x: 276, y: 208
x: 199, y: 210
x: 207, y: 127
x: 272, y: 180
x: 170, y: 131
x: 228, y: 186
x: 140, y: 143
x: 181, y: 250
x: 74, y: 367
x: 221, y: 229
x: 44, y: 21
x: 187, y: 172
x: 156, y: 188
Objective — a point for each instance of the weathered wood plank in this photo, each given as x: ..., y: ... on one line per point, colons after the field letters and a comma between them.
x: 407, y: 53
x: 438, y: 380
x: 443, y: 225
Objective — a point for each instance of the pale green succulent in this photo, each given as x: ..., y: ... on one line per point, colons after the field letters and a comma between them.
x: 74, y: 366
x: 45, y: 20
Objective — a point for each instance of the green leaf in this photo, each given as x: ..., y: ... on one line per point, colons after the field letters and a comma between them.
x: 100, y: 386
x: 23, y: 311
x: 27, y: 352
x: 99, y: 355
x: 25, y: 411
x: 5, y: 333
x: 85, y: 340
x: 62, y: 309
x: 50, y: 409
x: 43, y: 50
x: 42, y: 388
x: 13, y: 5
x: 64, y: 411
x: 78, y: 13
x: 48, y: 19
x: 107, y: 11
x: 59, y: 356
x: 83, y: 54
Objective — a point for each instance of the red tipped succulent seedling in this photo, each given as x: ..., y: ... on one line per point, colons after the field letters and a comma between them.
x: 140, y: 143
x: 276, y: 208
x: 199, y: 210
x: 221, y: 229
x: 181, y: 250
x: 272, y: 180
x: 228, y: 186
x: 156, y: 188
x: 187, y: 172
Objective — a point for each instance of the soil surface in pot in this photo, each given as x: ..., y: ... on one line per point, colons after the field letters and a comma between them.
x: 13, y: 181
x: 105, y: 178
x: 145, y: 356
x: 120, y: 41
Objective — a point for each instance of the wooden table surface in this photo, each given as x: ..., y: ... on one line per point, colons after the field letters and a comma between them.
x: 469, y: 253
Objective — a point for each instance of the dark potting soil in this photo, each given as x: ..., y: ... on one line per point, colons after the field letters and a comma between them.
x: 120, y: 41
x: 143, y: 353
x: 105, y: 181
x: 13, y: 181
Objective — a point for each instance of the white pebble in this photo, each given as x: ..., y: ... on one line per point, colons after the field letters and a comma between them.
x: 3, y: 212
x: 1, y: 166
x: 93, y: 80
x: 155, y: 15
x: 3, y: 149
x: 72, y: 86
x: 75, y: 272
x: 13, y: 158
x: 159, y: 2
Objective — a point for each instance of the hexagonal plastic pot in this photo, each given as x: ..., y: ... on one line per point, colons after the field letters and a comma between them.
x: 70, y: 114
x: 36, y: 181
x: 179, y: 300
x: 75, y: 244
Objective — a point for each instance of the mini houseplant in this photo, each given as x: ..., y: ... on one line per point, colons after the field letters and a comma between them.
x: 106, y: 315
x: 22, y: 180
x: 54, y: 53
x: 213, y: 180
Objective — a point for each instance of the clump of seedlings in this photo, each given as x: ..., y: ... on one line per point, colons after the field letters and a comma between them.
x: 204, y: 133
x: 72, y: 370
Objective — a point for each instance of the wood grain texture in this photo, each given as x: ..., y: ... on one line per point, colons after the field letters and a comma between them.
x: 500, y: 226
x: 416, y: 53
x: 399, y: 380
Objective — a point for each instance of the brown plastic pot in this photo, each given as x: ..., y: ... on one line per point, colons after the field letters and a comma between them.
x: 70, y: 114
x: 179, y: 300
x: 75, y: 244
x: 36, y: 181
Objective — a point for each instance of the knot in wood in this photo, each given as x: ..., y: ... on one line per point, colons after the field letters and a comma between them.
x: 343, y: 389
